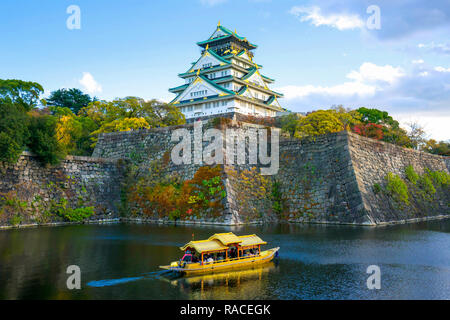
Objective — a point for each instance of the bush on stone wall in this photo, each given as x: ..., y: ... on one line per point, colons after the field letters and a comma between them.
x: 397, y: 188
x: 200, y: 197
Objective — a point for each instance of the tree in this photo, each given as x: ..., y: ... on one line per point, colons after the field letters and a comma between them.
x: 74, y: 99
x: 317, y: 123
x: 376, y: 116
x: 13, y: 130
x: 131, y: 113
x: 392, y: 132
x: 347, y: 117
x: 441, y: 148
x: 417, y: 135
x: 289, y: 123
x: 23, y: 93
x: 370, y: 130
x: 43, y: 139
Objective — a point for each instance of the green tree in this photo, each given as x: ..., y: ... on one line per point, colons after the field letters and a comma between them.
x: 74, y: 99
x: 131, y: 113
x: 317, y: 123
x: 13, y: 130
x: 43, y: 139
x: 392, y: 132
x: 441, y: 148
x: 23, y: 93
x: 289, y: 123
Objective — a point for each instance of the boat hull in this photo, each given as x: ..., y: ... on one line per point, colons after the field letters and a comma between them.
x: 242, y: 263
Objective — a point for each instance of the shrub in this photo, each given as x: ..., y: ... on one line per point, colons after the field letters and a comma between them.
x: 411, y: 175
x: 440, y: 178
x: 78, y: 214
x: 15, y: 220
x: 376, y: 188
x: 397, y: 188
x: 426, y: 184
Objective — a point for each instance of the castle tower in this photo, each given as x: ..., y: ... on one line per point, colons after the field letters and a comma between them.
x: 225, y: 79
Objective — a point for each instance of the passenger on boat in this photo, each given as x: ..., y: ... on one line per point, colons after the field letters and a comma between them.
x: 209, y: 259
x: 187, y: 257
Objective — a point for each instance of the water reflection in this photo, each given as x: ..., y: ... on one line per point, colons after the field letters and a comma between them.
x: 315, y: 262
x: 239, y: 284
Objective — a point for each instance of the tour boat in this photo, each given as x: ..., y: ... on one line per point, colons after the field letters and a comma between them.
x: 222, y: 251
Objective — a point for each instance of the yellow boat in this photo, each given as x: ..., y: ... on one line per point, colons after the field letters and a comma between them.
x: 222, y: 251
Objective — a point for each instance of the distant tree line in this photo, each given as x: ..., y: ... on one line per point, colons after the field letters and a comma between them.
x: 371, y: 123
x: 69, y: 121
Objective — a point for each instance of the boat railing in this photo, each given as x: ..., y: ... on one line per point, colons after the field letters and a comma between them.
x: 231, y: 259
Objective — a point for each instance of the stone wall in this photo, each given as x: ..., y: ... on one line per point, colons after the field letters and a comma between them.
x: 372, y: 160
x: 31, y: 189
x: 329, y: 179
x: 318, y: 182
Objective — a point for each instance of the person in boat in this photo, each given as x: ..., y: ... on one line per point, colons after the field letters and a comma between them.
x: 187, y: 258
x: 209, y: 259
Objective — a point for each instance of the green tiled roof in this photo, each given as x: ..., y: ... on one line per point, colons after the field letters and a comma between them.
x: 249, y: 74
x: 228, y: 33
x: 182, y: 87
x: 216, y: 85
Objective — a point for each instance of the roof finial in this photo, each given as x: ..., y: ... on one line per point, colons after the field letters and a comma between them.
x: 218, y: 23
x: 207, y: 46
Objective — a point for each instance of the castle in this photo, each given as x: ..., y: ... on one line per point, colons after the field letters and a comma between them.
x: 225, y: 79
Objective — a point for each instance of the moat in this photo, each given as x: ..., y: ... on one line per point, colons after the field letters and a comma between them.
x: 120, y: 261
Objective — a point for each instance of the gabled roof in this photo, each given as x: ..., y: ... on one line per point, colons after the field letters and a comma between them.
x: 205, y: 53
x: 249, y: 74
x: 267, y: 78
x: 182, y: 87
x: 251, y: 240
x: 226, y: 238
x: 227, y: 34
x: 203, y: 78
x: 220, y: 241
x: 204, y: 246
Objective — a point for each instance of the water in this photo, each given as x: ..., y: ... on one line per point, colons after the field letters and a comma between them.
x: 316, y: 262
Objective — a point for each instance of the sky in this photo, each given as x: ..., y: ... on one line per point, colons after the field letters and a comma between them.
x: 390, y: 55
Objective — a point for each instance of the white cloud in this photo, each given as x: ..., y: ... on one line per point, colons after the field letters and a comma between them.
x: 441, y: 69
x: 422, y: 91
x: 366, y: 82
x: 436, y: 127
x: 419, y: 61
x: 89, y: 84
x: 370, y: 72
x: 340, y: 21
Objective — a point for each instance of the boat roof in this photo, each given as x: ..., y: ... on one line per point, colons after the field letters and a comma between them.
x: 226, y: 238
x: 251, y: 240
x: 204, y: 246
x: 220, y: 241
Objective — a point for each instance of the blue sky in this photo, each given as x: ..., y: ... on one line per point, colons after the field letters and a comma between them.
x: 321, y: 53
